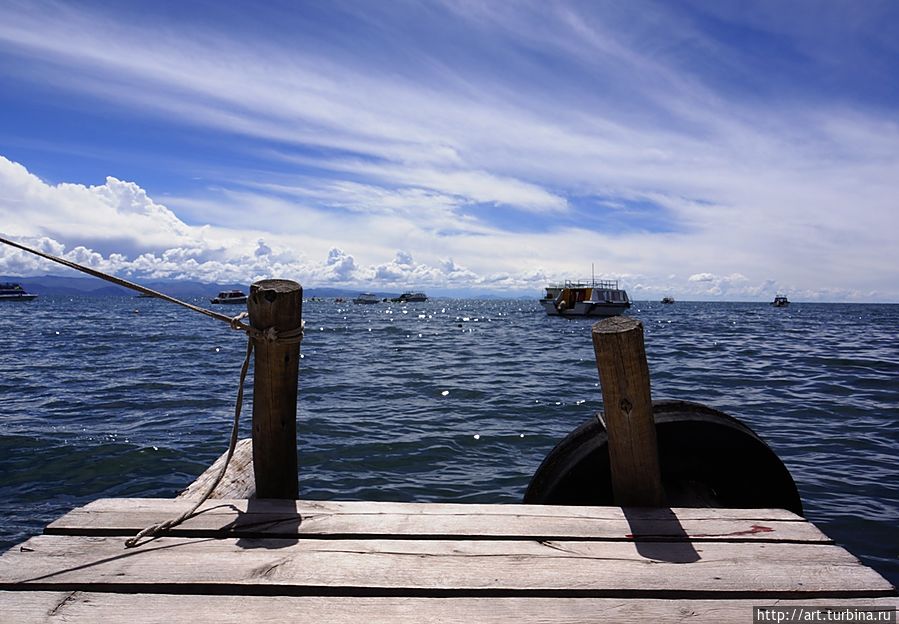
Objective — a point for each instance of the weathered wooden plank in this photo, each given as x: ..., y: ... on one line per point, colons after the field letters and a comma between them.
x: 285, y: 518
x: 109, y: 608
x: 372, y: 507
x: 439, y: 567
x: 238, y: 480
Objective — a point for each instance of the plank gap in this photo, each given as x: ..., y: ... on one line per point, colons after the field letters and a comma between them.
x: 273, y: 590
x: 271, y: 534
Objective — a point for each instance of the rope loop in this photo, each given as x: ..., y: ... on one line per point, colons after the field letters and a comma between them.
x: 236, y: 321
x: 269, y: 334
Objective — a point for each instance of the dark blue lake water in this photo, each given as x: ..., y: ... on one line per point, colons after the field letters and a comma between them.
x: 449, y: 400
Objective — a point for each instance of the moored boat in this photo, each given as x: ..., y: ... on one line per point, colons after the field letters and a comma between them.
x: 596, y: 298
x: 780, y: 301
x: 230, y: 296
x: 366, y: 298
x: 14, y: 292
x: 408, y: 297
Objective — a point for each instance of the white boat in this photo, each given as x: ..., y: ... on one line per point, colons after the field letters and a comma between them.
x: 367, y: 298
x: 408, y: 297
x: 14, y: 292
x: 230, y: 296
x: 596, y: 298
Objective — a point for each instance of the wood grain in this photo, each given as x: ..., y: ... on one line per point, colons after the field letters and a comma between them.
x: 464, y: 509
x: 399, y: 520
x: 105, y: 608
x: 275, y: 304
x: 238, y: 481
x: 627, y: 407
x: 439, y: 568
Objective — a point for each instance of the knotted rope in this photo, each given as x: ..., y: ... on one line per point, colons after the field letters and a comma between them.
x: 267, y: 335
x: 270, y: 335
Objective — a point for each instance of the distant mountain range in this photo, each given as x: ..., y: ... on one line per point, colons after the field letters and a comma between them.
x: 54, y: 285
x: 93, y: 287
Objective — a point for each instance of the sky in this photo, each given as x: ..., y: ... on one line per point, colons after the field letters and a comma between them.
x: 709, y: 150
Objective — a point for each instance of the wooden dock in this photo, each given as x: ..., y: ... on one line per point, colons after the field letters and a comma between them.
x: 256, y: 560
x: 314, y: 561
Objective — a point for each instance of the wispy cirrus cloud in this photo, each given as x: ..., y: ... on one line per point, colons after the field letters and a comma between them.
x: 525, y: 139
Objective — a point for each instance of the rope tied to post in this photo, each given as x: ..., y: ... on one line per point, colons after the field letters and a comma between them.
x: 254, y: 335
x: 270, y: 334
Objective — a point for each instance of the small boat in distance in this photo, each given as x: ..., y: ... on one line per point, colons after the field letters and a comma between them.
x: 230, y: 296
x: 365, y: 298
x: 596, y: 298
x: 408, y: 297
x: 14, y: 292
x: 667, y: 299
x: 780, y: 301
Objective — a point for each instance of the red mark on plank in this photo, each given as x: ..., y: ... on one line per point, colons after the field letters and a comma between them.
x: 755, y: 529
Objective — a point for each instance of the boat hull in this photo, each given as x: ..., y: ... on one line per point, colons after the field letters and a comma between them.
x: 17, y: 297
x: 410, y: 298
x: 586, y: 308
x: 230, y: 300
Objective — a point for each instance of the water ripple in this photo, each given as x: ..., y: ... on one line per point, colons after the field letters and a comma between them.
x: 449, y: 400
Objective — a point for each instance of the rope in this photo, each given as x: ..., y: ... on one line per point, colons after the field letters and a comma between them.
x: 155, y: 529
x: 270, y: 335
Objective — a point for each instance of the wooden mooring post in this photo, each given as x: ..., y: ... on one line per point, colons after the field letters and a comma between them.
x: 275, y: 304
x: 265, y: 466
x: 627, y: 406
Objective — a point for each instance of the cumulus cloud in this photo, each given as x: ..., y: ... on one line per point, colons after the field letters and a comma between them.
x: 208, y: 253
x: 159, y: 245
x: 716, y: 285
x: 400, y: 270
x: 114, y: 211
x: 342, y: 266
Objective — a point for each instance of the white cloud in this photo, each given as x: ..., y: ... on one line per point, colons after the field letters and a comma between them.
x: 426, y: 155
x: 495, y: 260
x: 115, y: 211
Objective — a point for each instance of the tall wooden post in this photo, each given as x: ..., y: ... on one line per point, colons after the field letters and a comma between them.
x: 627, y: 406
x: 278, y: 304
